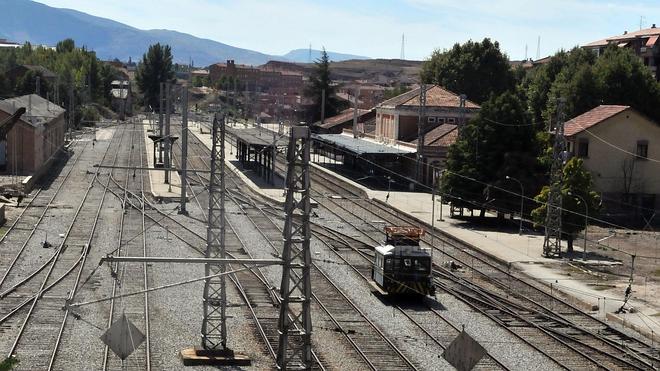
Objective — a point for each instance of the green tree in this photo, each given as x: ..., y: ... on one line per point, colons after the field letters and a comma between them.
x: 8, y: 364
x: 27, y: 84
x: 65, y: 46
x: 318, y: 82
x: 500, y: 141
x: 477, y: 69
x: 156, y: 67
x: 577, y: 186
x: 585, y: 81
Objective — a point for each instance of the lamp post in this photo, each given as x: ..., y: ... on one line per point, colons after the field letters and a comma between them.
x: 586, y: 223
x: 522, y: 201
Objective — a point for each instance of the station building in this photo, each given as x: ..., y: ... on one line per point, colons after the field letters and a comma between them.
x: 397, y: 118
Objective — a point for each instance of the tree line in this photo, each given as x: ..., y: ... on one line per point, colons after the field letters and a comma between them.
x: 78, y: 71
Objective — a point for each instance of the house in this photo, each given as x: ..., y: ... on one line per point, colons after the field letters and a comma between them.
x: 35, y: 139
x: 369, y: 94
x: 644, y: 43
x: 344, y: 120
x: 397, y: 118
x: 621, y: 149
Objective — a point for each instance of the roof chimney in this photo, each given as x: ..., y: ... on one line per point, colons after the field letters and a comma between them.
x: 653, y: 26
x: 625, y: 32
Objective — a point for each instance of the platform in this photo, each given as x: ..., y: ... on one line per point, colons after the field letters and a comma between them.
x: 159, y: 189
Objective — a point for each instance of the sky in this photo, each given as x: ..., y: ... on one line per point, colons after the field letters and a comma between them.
x: 374, y: 28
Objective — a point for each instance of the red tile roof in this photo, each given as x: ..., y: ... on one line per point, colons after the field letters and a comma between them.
x: 442, y: 136
x: 342, y: 117
x: 436, y: 96
x: 649, y: 32
x: 591, y: 118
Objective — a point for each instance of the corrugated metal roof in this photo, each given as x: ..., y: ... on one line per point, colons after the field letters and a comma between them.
x: 359, y: 146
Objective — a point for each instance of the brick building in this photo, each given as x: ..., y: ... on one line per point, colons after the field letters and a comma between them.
x: 369, y: 94
x: 258, y: 78
x: 35, y: 139
x: 644, y: 43
x: 397, y: 118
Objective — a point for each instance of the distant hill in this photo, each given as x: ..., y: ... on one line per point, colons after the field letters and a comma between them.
x: 25, y: 20
x: 302, y: 56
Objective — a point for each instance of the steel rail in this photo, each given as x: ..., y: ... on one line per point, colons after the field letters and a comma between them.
x: 36, y: 297
x: 41, y: 217
x: 504, y: 286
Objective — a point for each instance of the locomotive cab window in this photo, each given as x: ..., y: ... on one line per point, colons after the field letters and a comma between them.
x: 388, y: 264
x: 421, y: 265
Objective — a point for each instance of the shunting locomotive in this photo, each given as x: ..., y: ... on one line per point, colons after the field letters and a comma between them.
x: 402, y: 266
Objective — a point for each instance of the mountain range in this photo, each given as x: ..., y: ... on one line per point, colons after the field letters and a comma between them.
x: 25, y: 20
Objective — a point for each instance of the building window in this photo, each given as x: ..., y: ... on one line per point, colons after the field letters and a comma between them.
x: 583, y: 148
x: 441, y: 120
x: 431, y: 120
x: 642, y: 149
x: 451, y: 120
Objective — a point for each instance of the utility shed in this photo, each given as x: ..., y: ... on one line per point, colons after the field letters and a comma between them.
x: 35, y: 139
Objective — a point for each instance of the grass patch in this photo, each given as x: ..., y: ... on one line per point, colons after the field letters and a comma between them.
x: 657, y: 272
x: 8, y: 364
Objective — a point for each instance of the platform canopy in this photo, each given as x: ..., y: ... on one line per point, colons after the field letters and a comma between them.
x: 258, y: 137
x: 360, y: 146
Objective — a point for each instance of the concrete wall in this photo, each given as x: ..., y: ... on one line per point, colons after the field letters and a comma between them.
x: 607, y: 163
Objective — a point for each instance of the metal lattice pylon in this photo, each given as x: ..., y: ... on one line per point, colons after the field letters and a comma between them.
x: 295, y: 322
x: 214, y: 327
x: 552, y: 241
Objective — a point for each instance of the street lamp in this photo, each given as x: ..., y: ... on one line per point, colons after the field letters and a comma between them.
x: 586, y: 223
x: 522, y: 201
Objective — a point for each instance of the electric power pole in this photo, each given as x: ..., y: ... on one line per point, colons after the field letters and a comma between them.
x: 38, y: 85
x: 322, y: 106
x: 420, y: 131
x: 214, y: 326
x: 184, y: 150
x: 160, y: 121
x: 295, y: 321
x: 553, y: 235
x: 168, y: 141
x: 355, y: 112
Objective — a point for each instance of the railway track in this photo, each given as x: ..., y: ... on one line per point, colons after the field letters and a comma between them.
x: 588, y: 339
x: 18, y: 235
x: 39, y: 320
x: 373, y: 346
x: 131, y: 242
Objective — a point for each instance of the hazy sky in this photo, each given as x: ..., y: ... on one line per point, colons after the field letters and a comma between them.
x: 374, y: 27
